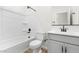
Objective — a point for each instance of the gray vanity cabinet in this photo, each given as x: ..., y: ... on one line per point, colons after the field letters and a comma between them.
x: 71, y: 48
x: 54, y: 47
x: 62, y: 44
x: 58, y: 47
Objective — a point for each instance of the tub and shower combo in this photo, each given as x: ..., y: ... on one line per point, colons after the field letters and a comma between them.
x: 18, y: 45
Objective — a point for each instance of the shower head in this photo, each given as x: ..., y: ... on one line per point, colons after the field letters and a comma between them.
x: 29, y: 7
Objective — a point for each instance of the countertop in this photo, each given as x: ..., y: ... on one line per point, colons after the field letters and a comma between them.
x: 71, y: 34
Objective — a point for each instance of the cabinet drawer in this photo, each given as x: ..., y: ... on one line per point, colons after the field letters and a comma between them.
x: 64, y: 38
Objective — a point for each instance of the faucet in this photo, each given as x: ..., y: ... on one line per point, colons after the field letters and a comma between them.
x: 29, y: 30
x: 63, y: 29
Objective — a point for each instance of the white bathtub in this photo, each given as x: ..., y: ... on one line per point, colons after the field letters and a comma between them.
x: 15, y: 45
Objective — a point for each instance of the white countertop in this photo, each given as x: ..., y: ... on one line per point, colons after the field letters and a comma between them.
x: 76, y: 34
x: 5, y: 44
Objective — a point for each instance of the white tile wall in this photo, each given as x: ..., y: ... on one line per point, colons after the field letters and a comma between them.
x: 17, y: 9
x: 73, y: 29
x: 11, y: 25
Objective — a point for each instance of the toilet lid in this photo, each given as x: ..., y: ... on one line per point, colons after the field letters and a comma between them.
x: 35, y: 42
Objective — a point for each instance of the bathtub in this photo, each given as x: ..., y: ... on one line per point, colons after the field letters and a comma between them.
x: 15, y: 45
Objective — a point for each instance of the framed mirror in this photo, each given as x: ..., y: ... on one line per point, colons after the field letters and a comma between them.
x: 62, y: 18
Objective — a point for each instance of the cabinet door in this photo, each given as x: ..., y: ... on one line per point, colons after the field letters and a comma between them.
x: 72, y: 48
x: 54, y: 47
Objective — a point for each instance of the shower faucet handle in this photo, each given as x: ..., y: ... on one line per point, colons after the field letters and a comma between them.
x: 29, y: 30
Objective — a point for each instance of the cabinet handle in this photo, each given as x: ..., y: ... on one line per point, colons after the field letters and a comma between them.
x: 65, y: 49
x: 62, y: 49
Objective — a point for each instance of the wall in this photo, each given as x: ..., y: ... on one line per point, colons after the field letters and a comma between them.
x: 39, y: 20
x: 11, y: 23
x: 17, y: 9
x: 46, y: 13
x: 75, y: 17
x: 45, y: 17
x: 14, y: 17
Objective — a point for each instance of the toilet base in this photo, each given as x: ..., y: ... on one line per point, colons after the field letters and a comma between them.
x: 29, y: 50
x: 36, y: 50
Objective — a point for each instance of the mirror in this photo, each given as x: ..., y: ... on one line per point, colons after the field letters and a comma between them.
x: 62, y: 18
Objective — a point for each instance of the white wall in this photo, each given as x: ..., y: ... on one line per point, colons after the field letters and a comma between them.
x: 40, y: 19
x: 17, y: 9
x: 11, y: 23
x: 75, y: 17
x: 75, y: 9
x: 45, y: 17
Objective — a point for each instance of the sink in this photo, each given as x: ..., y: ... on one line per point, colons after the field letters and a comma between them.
x: 65, y: 33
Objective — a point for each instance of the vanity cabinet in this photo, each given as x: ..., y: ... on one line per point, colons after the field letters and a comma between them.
x: 59, y: 46
x: 55, y: 47
x: 71, y: 48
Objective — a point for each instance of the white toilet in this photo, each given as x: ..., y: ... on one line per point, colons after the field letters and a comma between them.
x: 36, y: 44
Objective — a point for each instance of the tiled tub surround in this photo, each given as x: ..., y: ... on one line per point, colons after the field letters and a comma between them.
x: 15, y: 45
x: 13, y: 38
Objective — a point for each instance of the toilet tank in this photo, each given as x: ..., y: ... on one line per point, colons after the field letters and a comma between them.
x: 39, y: 36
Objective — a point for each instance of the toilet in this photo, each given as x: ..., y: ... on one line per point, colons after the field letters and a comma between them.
x: 36, y: 44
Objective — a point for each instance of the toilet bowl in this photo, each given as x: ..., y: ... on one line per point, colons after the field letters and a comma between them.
x: 35, y: 44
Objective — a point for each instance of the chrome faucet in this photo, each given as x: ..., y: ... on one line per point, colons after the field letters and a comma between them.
x: 63, y: 29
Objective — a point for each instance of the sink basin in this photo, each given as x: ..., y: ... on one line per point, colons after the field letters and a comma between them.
x: 65, y: 33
